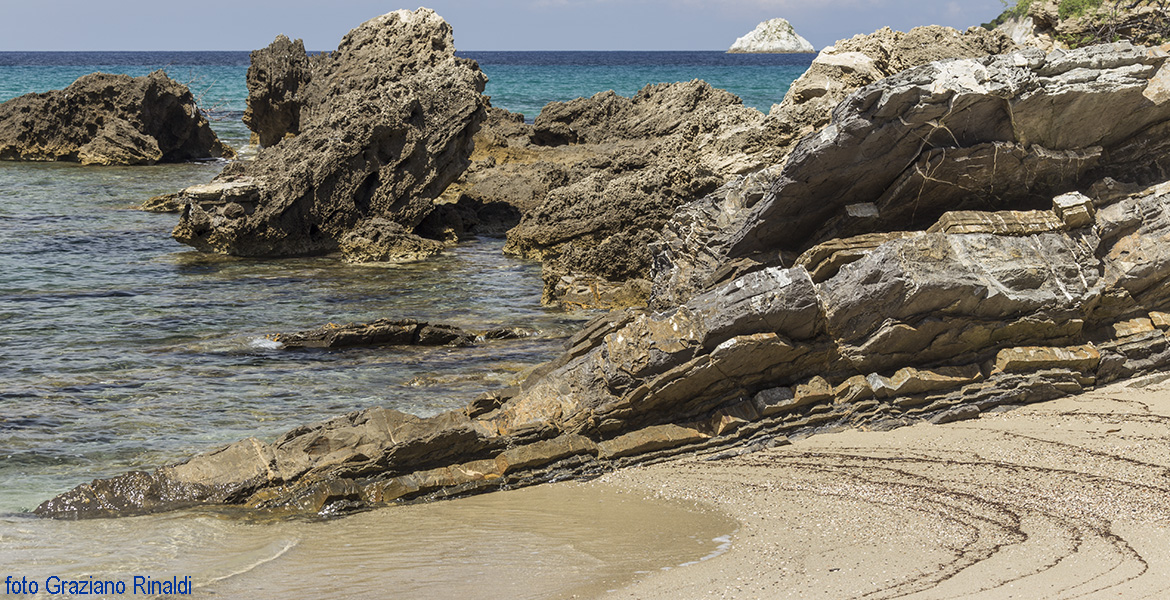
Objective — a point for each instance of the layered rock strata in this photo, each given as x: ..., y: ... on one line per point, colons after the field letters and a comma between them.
x: 933, y: 325
x: 362, y: 140
x: 1004, y: 132
x: 971, y: 310
x: 597, y: 178
x: 104, y: 119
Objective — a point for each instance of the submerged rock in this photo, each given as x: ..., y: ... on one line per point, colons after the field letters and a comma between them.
x: 362, y: 138
x: 389, y: 332
x: 104, y: 119
x: 772, y: 36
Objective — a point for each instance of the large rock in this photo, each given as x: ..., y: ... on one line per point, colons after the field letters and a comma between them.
x: 637, y: 160
x: 850, y: 64
x: 103, y: 119
x: 365, y: 138
x: 668, y: 145
x: 774, y: 36
x: 275, y: 78
x: 1008, y: 131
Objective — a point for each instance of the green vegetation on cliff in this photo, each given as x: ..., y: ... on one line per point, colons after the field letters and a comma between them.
x: 1076, y: 23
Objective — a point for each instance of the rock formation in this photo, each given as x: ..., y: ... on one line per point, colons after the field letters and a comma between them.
x: 772, y: 36
x: 104, y: 119
x: 981, y: 134
x: 611, y: 169
x: 846, y: 66
x: 362, y: 141
x: 592, y: 179
x: 994, y: 246
x: 1064, y: 24
x: 388, y: 332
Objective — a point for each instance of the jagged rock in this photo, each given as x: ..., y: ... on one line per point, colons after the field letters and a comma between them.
x: 103, y: 119
x: 993, y: 133
x: 650, y: 153
x: 275, y: 77
x: 851, y: 64
x: 772, y: 36
x: 383, y: 125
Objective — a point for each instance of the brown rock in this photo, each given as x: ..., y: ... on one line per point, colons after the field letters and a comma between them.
x: 103, y: 119
x: 384, y: 124
x: 1034, y: 358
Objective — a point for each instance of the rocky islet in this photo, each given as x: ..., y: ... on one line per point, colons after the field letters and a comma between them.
x: 104, y: 119
x: 933, y: 281
x: 774, y: 35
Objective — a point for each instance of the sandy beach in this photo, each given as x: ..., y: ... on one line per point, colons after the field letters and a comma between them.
x: 1063, y: 499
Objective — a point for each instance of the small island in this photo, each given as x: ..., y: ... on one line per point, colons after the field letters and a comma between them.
x: 775, y: 36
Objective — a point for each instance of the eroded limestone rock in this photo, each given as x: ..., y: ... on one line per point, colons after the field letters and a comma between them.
x: 104, y: 119
x: 370, y: 133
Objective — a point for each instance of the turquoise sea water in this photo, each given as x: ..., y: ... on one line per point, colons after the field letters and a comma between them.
x: 121, y: 349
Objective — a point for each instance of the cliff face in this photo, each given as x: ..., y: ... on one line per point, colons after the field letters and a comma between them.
x: 103, y: 119
x: 1053, y: 24
x: 772, y: 36
x: 963, y: 235
x: 361, y: 141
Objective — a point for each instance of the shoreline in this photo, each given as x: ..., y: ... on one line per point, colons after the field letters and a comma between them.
x: 1065, y: 498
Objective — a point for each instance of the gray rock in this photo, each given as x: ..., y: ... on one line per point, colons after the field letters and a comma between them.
x: 1008, y: 131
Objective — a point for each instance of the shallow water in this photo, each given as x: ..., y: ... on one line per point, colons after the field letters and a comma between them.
x: 550, y: 541
x: 120, y: 349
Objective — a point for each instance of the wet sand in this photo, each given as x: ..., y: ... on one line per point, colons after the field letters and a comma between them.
x: 1064, y: 499
x: 544, y: 542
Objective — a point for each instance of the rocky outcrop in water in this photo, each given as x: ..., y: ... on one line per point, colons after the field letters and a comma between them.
x: 104, y: 119
x: 775, y: 36
x: 388, y: 332
x: 926, y: 307
x: 364, y: 139
x: 276, y: 78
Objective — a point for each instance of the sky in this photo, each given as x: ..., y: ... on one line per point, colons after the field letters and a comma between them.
x: 478, y: 24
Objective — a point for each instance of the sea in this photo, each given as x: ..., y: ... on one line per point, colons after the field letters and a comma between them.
x: 121, y: 349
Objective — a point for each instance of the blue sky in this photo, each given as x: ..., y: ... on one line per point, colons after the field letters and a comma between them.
x: 479, y: 24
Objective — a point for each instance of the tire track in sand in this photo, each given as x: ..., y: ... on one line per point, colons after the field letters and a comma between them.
x: 1068, y: 499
